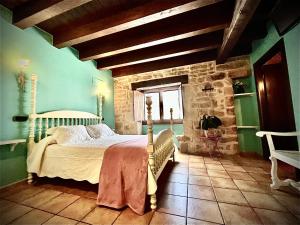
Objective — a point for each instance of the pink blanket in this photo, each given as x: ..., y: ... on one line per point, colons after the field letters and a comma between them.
x: 123, y: 176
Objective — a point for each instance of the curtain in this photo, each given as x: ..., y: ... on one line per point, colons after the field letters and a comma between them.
x: 138, y: 105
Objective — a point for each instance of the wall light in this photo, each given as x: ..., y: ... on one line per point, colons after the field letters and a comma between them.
x: 23, y: 64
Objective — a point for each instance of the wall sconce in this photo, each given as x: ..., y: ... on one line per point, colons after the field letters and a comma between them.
x: 100, y: 103
x: 23, y: 64
x: 208, y: 87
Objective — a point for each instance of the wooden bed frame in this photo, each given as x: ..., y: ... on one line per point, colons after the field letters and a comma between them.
x: 159, y: 150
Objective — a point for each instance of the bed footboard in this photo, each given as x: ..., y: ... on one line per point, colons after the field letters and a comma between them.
x: 160, y: 150
x: 163, y: 150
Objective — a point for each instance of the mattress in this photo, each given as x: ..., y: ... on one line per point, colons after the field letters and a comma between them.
x: 78, y: 163
x: 82, y: 162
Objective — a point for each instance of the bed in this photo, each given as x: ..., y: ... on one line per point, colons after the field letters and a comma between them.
x: 83, y: 161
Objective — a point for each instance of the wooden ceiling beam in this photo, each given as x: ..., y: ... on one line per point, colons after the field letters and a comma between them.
x: 147, y: 13
x: 34, y: 12
x: 205, y: 20
x: 244, y: 10
x: 165, y: 63
x: 172, y: 49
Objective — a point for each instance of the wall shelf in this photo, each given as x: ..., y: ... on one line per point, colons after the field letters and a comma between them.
x: 13, y: 142
x: 247, y: 127
x: 247, y: 119
x: 245, y: 94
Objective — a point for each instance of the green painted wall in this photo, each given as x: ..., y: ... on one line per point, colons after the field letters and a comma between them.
x: 292, y: 47
x: 246, y: 111
x: 64, y: 82
x: 177, y: 128
x: 246, y: 107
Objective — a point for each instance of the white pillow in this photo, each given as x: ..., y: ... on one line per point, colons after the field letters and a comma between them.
x: 50, y: 131
x: 99, y: 130
x: 71, y: 135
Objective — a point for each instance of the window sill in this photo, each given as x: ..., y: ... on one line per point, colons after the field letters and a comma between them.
x: 178, y: 121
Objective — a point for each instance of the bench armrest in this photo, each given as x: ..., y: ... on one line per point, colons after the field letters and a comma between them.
x: 262, y: 133
x: 270, y: 140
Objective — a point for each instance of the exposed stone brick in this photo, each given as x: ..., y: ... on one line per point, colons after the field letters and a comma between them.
x: 228, y: 91
x: 229, y: 101
x: 218, y: 84
x: 196, y: 102
x: 228, y: 121
x: 219, y: 113
x: 196, y: 105
x: 205, y: 105
x: 230, y: 130
x: 233, y: 65
x: 238, y: 73
x: 230, y: 111
x: 228, y: 139
x: 218, y: 76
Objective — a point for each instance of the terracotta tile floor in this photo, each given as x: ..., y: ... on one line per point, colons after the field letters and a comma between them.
x: 195, y: 190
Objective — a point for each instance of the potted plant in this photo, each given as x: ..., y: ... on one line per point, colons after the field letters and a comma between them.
x: 238, y: 87
x: 210, y: 123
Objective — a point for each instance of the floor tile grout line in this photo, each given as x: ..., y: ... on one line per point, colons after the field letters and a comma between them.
x: 205, y: 220
x: 151, y: 217
x: 36, y: 207
x: 252, y: 207
x: 187, y: 192
x: 87, y: 212
x: 286, y: 207
x: 223, y: 219
x: 57, y: 214
x: 290, y: 211
x: 43, y: 189
x: 54, y: 214
x: 44, y: 202
x: 20, y: 216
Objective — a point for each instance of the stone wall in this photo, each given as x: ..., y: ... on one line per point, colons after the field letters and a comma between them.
x: 218, y: 102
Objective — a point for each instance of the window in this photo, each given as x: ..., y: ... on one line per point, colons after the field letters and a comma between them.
x: 163, y: 99
x: 172, y: 99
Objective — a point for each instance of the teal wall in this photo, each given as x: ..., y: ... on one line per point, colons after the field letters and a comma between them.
x: 64, y: 82
x: 247, y: 106
x: 292, y: 48
x: 246, y: 111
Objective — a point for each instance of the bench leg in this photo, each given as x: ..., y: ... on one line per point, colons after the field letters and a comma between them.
x: 276, y: 182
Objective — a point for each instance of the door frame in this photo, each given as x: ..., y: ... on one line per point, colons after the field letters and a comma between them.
x: 278, y: 47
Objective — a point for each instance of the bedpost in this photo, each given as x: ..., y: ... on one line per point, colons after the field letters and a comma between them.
x: 149, y: 123
x: 171, y: 127
x: 150, y: 148
x: 100, y: 103
x: 171, y: 119
x: 32, y: 118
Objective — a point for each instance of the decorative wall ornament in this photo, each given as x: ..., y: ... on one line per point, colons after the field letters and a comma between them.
x: 208, y: 87
x: 21, y: 79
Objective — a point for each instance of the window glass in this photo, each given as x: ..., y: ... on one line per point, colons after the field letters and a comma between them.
x: 172, y: 99
x: 155, y: 106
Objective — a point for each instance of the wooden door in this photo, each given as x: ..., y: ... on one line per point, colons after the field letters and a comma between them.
x: 274, y: 96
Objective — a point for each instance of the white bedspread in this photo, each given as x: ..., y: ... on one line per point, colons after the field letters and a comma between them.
x: 78, y: 162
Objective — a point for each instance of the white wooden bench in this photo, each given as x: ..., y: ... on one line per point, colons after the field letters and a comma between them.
x: 290, y: 157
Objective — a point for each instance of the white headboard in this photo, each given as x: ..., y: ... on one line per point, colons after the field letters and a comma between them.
x: 39, y: 123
